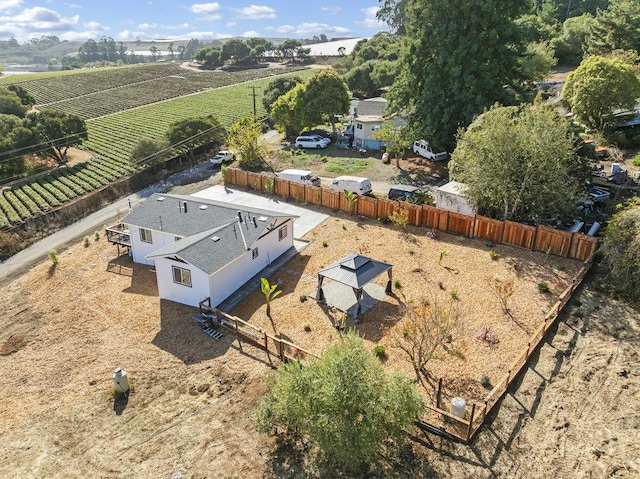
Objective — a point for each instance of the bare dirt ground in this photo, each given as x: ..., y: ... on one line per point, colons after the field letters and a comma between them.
x: 63, y: 330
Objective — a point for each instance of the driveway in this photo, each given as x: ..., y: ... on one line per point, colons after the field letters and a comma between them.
x: 307, y: 219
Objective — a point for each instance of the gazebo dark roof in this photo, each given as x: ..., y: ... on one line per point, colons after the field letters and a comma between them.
x: 354, y: 270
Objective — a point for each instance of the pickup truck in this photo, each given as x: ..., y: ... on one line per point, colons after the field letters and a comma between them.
x: 223, y: 156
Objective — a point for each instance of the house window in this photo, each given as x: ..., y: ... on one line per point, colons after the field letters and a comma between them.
x: 282, y: 233
x: 254, y: 253
x: 359, y: 126
x: 181, y: 276
x: 375, y: 127
x: 145, y: 236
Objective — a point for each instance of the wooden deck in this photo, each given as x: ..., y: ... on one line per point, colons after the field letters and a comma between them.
x: 118, y: 235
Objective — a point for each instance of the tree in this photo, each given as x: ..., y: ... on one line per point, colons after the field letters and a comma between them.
x: 154, y: 50
x: 170, y: 50
x: 289, y: 111
x: 288, y: 48
x: 26, y: 98
x: 352, y: 199
x: 270, y: 292
x: 519, y: 164
x: 13, y: 136
x: 616, y: 28
x: 192, y: 133
x: 276, y: 88
x: 538, y: 61
x: 149, y: 152
x: 345, y: 403
x: 58, y: 131
x: 244, y: 139
x: 394, y: 14
x: 458, y: 57
x: 359, y: 80
x: 181, y: 50
x: 621, y: 251
x: 426, y: 328
x: 236, y: 50
x: 395, y: 135
x: 570, y: 47
x: 599, y: 86
x: 11, y: 103
x: 192, y: 48
x: 326, y: 95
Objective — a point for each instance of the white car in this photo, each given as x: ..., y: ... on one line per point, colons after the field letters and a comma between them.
x: 223, y: 156
x: 314, y: 141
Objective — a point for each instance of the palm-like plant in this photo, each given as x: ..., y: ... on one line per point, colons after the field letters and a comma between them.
x: 352, y: 199
x: 271, y: 292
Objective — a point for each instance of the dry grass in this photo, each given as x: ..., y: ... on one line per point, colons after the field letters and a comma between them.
x: 466, y: 271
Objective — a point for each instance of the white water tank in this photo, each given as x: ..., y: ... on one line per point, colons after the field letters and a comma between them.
x: 457, y: 407
x: 120, y: 380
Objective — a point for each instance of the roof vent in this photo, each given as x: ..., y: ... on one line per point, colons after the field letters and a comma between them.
x: 160, y: 198
x: 215, y: 238
x: 263, y: 219
x: 204, y: 207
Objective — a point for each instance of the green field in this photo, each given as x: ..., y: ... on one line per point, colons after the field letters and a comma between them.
x: 115, y: 136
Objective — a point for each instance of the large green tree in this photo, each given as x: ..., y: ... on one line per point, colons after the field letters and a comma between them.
x: 276, y: 88
x: 11, y: 103
x: 458, y: 57
x: 519, y: 164
x: 599, y: 86
x: 189, y: 134
x: 148, y: 151
x: 57, y: 131
x: 616, y: 28
x: 621, y: 251
x: 244, y: 139
x: 326, y: 95
x: 15, y: 142
x: 345, y: 403
x: 289, y: 111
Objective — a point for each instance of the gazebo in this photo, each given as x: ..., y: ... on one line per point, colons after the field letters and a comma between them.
x: 355, y: 271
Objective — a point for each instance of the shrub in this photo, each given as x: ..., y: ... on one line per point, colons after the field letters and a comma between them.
x: 307, y: 328
x: 454, y: 294
x: 487, y: 335
x: 493, y: 255
x: 412, y: 252
x: 380, y: 351
x: 53, y: 256
x: 397, y: 284
x: 325, y: 243
x: 400, y: 217
x: 96, y: 235
x: 543, y: 287
x: 86, y: 241
x: 636, y: 160
x: 485, y: 380
x: 303, y: 298
x: 384, y: 220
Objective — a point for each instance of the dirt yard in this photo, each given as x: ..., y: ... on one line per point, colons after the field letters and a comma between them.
x: 65, y: 329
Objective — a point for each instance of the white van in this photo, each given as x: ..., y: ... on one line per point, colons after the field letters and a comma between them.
x: 300, y: 176
x: 355, y: 184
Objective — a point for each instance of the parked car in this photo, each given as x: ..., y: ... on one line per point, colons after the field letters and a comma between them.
x: 355, y: 184
x: 314, y: 141
x: 410, y: 194
x: 423, y: 148
x: 223, y: 156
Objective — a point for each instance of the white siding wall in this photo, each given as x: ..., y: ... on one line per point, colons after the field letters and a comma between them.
x: 227, y: 280
x: 452, y: 202
x: 179, y: 293
x: 141, y: 249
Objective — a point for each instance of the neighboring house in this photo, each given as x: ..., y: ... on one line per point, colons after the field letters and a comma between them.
x: 203, y: 248
x: 368, y: 118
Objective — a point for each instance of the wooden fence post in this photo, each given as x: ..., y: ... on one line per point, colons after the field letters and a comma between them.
x: 470, y: 428
x: 438, y: 391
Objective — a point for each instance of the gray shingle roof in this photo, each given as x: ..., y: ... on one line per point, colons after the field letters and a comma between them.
x: 372, y: 107
x: 203, y: 220
x: 354, y: 270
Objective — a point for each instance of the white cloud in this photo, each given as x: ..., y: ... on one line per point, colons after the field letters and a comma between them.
x: 332, y: 10
x: 307, y: 29
x: 250, y: 34
x: 370, y: 20
x: 205, y: 8
x: 9, y: 4
x: 36, y: 20
x: 152, y: 26
x: 96, y: 26
x: 231, y: 24
x: 254, y: 12
x: 73, y: 5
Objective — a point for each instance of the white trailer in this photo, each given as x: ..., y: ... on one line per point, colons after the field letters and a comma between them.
x: 452, y: 197
x: 423, y: 148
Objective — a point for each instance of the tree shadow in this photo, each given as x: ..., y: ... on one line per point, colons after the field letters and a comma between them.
x: 120, y: 402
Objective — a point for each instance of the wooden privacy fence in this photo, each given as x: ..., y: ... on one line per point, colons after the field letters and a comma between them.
x: 540, y: 238
x: 244, y: 331
x: 464, y: 429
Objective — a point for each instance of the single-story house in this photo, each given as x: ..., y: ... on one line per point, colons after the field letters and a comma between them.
x: 203, y: 248
x: 368, y: 118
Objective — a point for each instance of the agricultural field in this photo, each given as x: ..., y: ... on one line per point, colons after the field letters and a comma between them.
x: 111, y: 100
x: 115, y: 136
x: 27, y: 201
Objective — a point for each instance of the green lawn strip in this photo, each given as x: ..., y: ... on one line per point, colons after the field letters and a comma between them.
x: 346, y: 166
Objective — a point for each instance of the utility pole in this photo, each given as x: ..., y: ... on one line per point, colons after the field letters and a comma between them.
x: 255, y: 113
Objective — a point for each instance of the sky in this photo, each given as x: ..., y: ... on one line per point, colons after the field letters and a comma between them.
x: 125, y: 20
